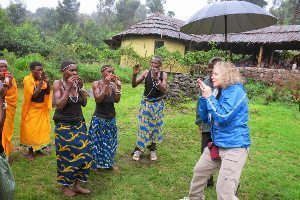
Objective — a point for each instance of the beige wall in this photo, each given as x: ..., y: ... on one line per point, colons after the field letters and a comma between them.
x: 144, y: 46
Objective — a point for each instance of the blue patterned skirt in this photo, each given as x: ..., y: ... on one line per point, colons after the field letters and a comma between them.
x: 150, y: 123
x: 103, y: 136
x: 72, y: 152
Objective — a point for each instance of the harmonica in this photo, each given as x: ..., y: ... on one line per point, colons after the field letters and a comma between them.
x: 114, y: 77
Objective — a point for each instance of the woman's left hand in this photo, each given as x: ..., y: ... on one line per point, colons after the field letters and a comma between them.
x: 205, y: 89
x: 45, y: 77
x: 118, y: 81
x: 80, y: 82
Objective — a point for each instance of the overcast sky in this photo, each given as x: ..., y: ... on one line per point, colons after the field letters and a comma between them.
x: 183, y: 9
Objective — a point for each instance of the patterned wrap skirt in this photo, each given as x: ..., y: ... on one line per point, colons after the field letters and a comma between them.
x: 72, y: 152
x: 7, y: 183
x: 150, y: 123
x: 103, y: 136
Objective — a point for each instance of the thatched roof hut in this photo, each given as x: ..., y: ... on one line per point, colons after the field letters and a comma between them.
x: 274, y: 37
x: 285, y: 37
x: 155, y: 25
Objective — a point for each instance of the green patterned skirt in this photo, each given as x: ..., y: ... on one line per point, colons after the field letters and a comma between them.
x: 7, y: 182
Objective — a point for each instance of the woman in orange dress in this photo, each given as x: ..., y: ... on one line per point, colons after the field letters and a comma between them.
x: 35, y: 118
x: 11, y: 99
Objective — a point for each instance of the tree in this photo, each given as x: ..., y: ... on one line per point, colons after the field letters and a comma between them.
x: 67, y: 34
x: 90, y: 33
x: 141, y: 13
x: 5, y: 30
x: 125, y: 12
x: 171, y: 14
x: 105, y: 9
x: 17, y: 12
x: 296, y: 14
x: 155, y: 6
x: 260, y: 3
x: 26, y: 39
x: 47, y: 19
x: 68, y: 11
x: 286, y: 11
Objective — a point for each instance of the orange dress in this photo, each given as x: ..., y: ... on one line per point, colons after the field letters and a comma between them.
x: 35, y: 117
x: 12, y: 100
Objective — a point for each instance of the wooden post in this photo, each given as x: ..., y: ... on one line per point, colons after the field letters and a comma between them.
x: 260, y: 56
x: 272, y: 57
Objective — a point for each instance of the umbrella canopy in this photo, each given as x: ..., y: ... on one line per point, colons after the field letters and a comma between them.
x: 228, y: 17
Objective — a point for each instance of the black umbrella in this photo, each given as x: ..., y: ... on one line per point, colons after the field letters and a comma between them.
x: 228, y: 17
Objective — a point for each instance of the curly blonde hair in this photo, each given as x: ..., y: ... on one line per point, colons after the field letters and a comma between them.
x: 229, y: 73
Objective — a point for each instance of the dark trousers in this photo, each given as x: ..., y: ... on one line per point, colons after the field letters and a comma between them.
x: 205, y: 139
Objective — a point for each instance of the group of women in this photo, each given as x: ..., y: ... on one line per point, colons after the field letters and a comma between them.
x: 79, y: 150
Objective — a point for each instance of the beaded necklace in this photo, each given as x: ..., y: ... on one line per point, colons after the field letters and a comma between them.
x: 153, y: 83
x: 108, y: 86
x: 76, y: 90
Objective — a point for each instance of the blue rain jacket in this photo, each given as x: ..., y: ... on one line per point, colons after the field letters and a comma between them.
x: 227, y: 116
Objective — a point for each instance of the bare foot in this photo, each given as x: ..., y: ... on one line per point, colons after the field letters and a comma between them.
x: 47, y: 150
x: 81, y: 190
x: 29, y: 156
x: 68, y: 192
x: 115, y: 169
x: 42, y: 152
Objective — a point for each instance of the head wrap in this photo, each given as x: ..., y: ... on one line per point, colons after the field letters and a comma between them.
x: 157, y: 58
x: 66, y: 64
x: 63, y: 69
x: 104, y: 67
x: 3, y: 62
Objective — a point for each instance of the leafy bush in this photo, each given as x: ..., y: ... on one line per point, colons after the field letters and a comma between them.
x: 255, y: 89
x: 110, y: 56
x: 129, y: 53
x: 22, y: 63
x: 170, y: 59
x: 85, y: 52
x: 203, y: 57
x: 26, y: 39
x: 260, y: 90
x: 9, y: 56
x: 62, y: 52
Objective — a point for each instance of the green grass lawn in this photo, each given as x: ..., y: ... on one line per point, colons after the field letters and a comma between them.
x: 272, y: 171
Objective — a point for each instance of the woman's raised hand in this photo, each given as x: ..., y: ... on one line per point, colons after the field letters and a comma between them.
x: 45, y: 77
x: 205, y: 89
x: 136, y: 69
x: 80, y: 82
x: 107, y: 79
x: 3, y: 89
x: 117, y: 81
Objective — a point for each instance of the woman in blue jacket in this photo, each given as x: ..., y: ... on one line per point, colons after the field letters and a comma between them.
x: 227, y: 113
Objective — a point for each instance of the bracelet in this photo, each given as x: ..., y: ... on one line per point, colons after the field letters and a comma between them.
x: 118, y: 91
x: 157, y: 83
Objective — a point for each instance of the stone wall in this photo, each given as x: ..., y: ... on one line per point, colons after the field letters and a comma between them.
x: 184, y: 86
x: 278, y: 77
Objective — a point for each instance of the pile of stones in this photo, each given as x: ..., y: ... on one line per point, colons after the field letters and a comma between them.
x: 183, y: 87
